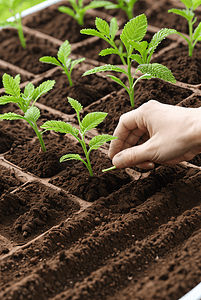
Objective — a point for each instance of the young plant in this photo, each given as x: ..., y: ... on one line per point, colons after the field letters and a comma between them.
x: 126, y: 5
x: 79, y: 9
x: 131, y: 38
x: 13, y: 7
x: 90, y: 121
x: 25, y: 101
x: 63, y: 60
x: 189, y: 15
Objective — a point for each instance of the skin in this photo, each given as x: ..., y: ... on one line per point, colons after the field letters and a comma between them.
x: 156, y: 133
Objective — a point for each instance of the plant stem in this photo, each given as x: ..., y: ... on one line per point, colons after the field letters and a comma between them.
x: 88, y: 164
x: 131, y: 89
x: 20, y: 30
x: 39, y: 135
x: 109, y: 169
x: 190, y: 50
x: 69, y: 76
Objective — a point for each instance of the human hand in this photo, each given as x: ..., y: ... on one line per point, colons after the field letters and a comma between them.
x: 156, y: 133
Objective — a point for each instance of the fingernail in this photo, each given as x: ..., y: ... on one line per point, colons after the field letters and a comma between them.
x: 118, y: 161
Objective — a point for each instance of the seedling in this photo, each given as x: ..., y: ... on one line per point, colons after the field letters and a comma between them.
x: 90, y: 121
x: 79, y: 10
x: 189, y: 15
x: 63, y: 60
x: 13, y: 7
x: 25, y: 101
x: 131, y: 38
x: 126, y: 5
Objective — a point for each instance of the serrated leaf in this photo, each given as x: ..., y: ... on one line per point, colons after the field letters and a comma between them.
x: 60, y: 126
x: 11, y: 84
x: 70, y: 157
x: 113, y: 28
x: 50, y: 60
x: 67, y: 63
x: 104, y: 69
x: 64, y: 51
x: 91, y: 120
x: 181, y: 12
x: 187, y: 3
x: 119, y: 82
x: 8, y: 24
x: 28, y: 90
x: 158, y: 37
x: 8, y: 99
x: 96, y: 4
x: 102, y: 26
x: 43, y: 88
x: 157, y: 71
x: 10, y: 116
x: 111, y: 5
x: 75, y: 104
x: 108, y: 51
x: 99, y: 140
x: 196, y: 3
x: 92, y: 32
x: 197, y: 32
x: 139, y: 46
x: 32, y: 114
x: 134, y: 30
x: 137, y: 58
x: 75, y: 62
x: 67, y: 11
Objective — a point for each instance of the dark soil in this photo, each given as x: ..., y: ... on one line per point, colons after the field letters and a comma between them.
x: 124, y: 234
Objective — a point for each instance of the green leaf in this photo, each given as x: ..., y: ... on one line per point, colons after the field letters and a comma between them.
x: 119, y: 82
x: 92, y: 32
x: 91, y: 120
x: 32, y: 114
x: 50, y: 60
x: 139, y: 46
x: 108, y: 51
x: 99, y: 140
x: 197, y: 31
x: 102, y: 26
x: 181, y: 12
x: 158, y: 37
x: 196, y: 3
x: 187, y: 3
x: 60, y: 126
x: 16, y: 3
x: 10, y: 116
x: 67, y: 11
x: 11, y: 84
x: 75, y: 104
x: 113, y: 28
x: 104, y: 69
x: 64, y: 51
x: 157, y: 71
x: 75, y: 62
x: 134, y: 30
x: 71, y: 156
x: 96, y: 4
x: 43, y: 88
x: 137, y: 58
x: 8, y: 99
x: 28, y: 90
x: 8, y: 24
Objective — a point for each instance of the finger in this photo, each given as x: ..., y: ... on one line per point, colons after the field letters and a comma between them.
x: 132, y: 156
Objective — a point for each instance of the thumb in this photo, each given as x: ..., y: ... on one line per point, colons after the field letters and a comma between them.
x: 130, y: 157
